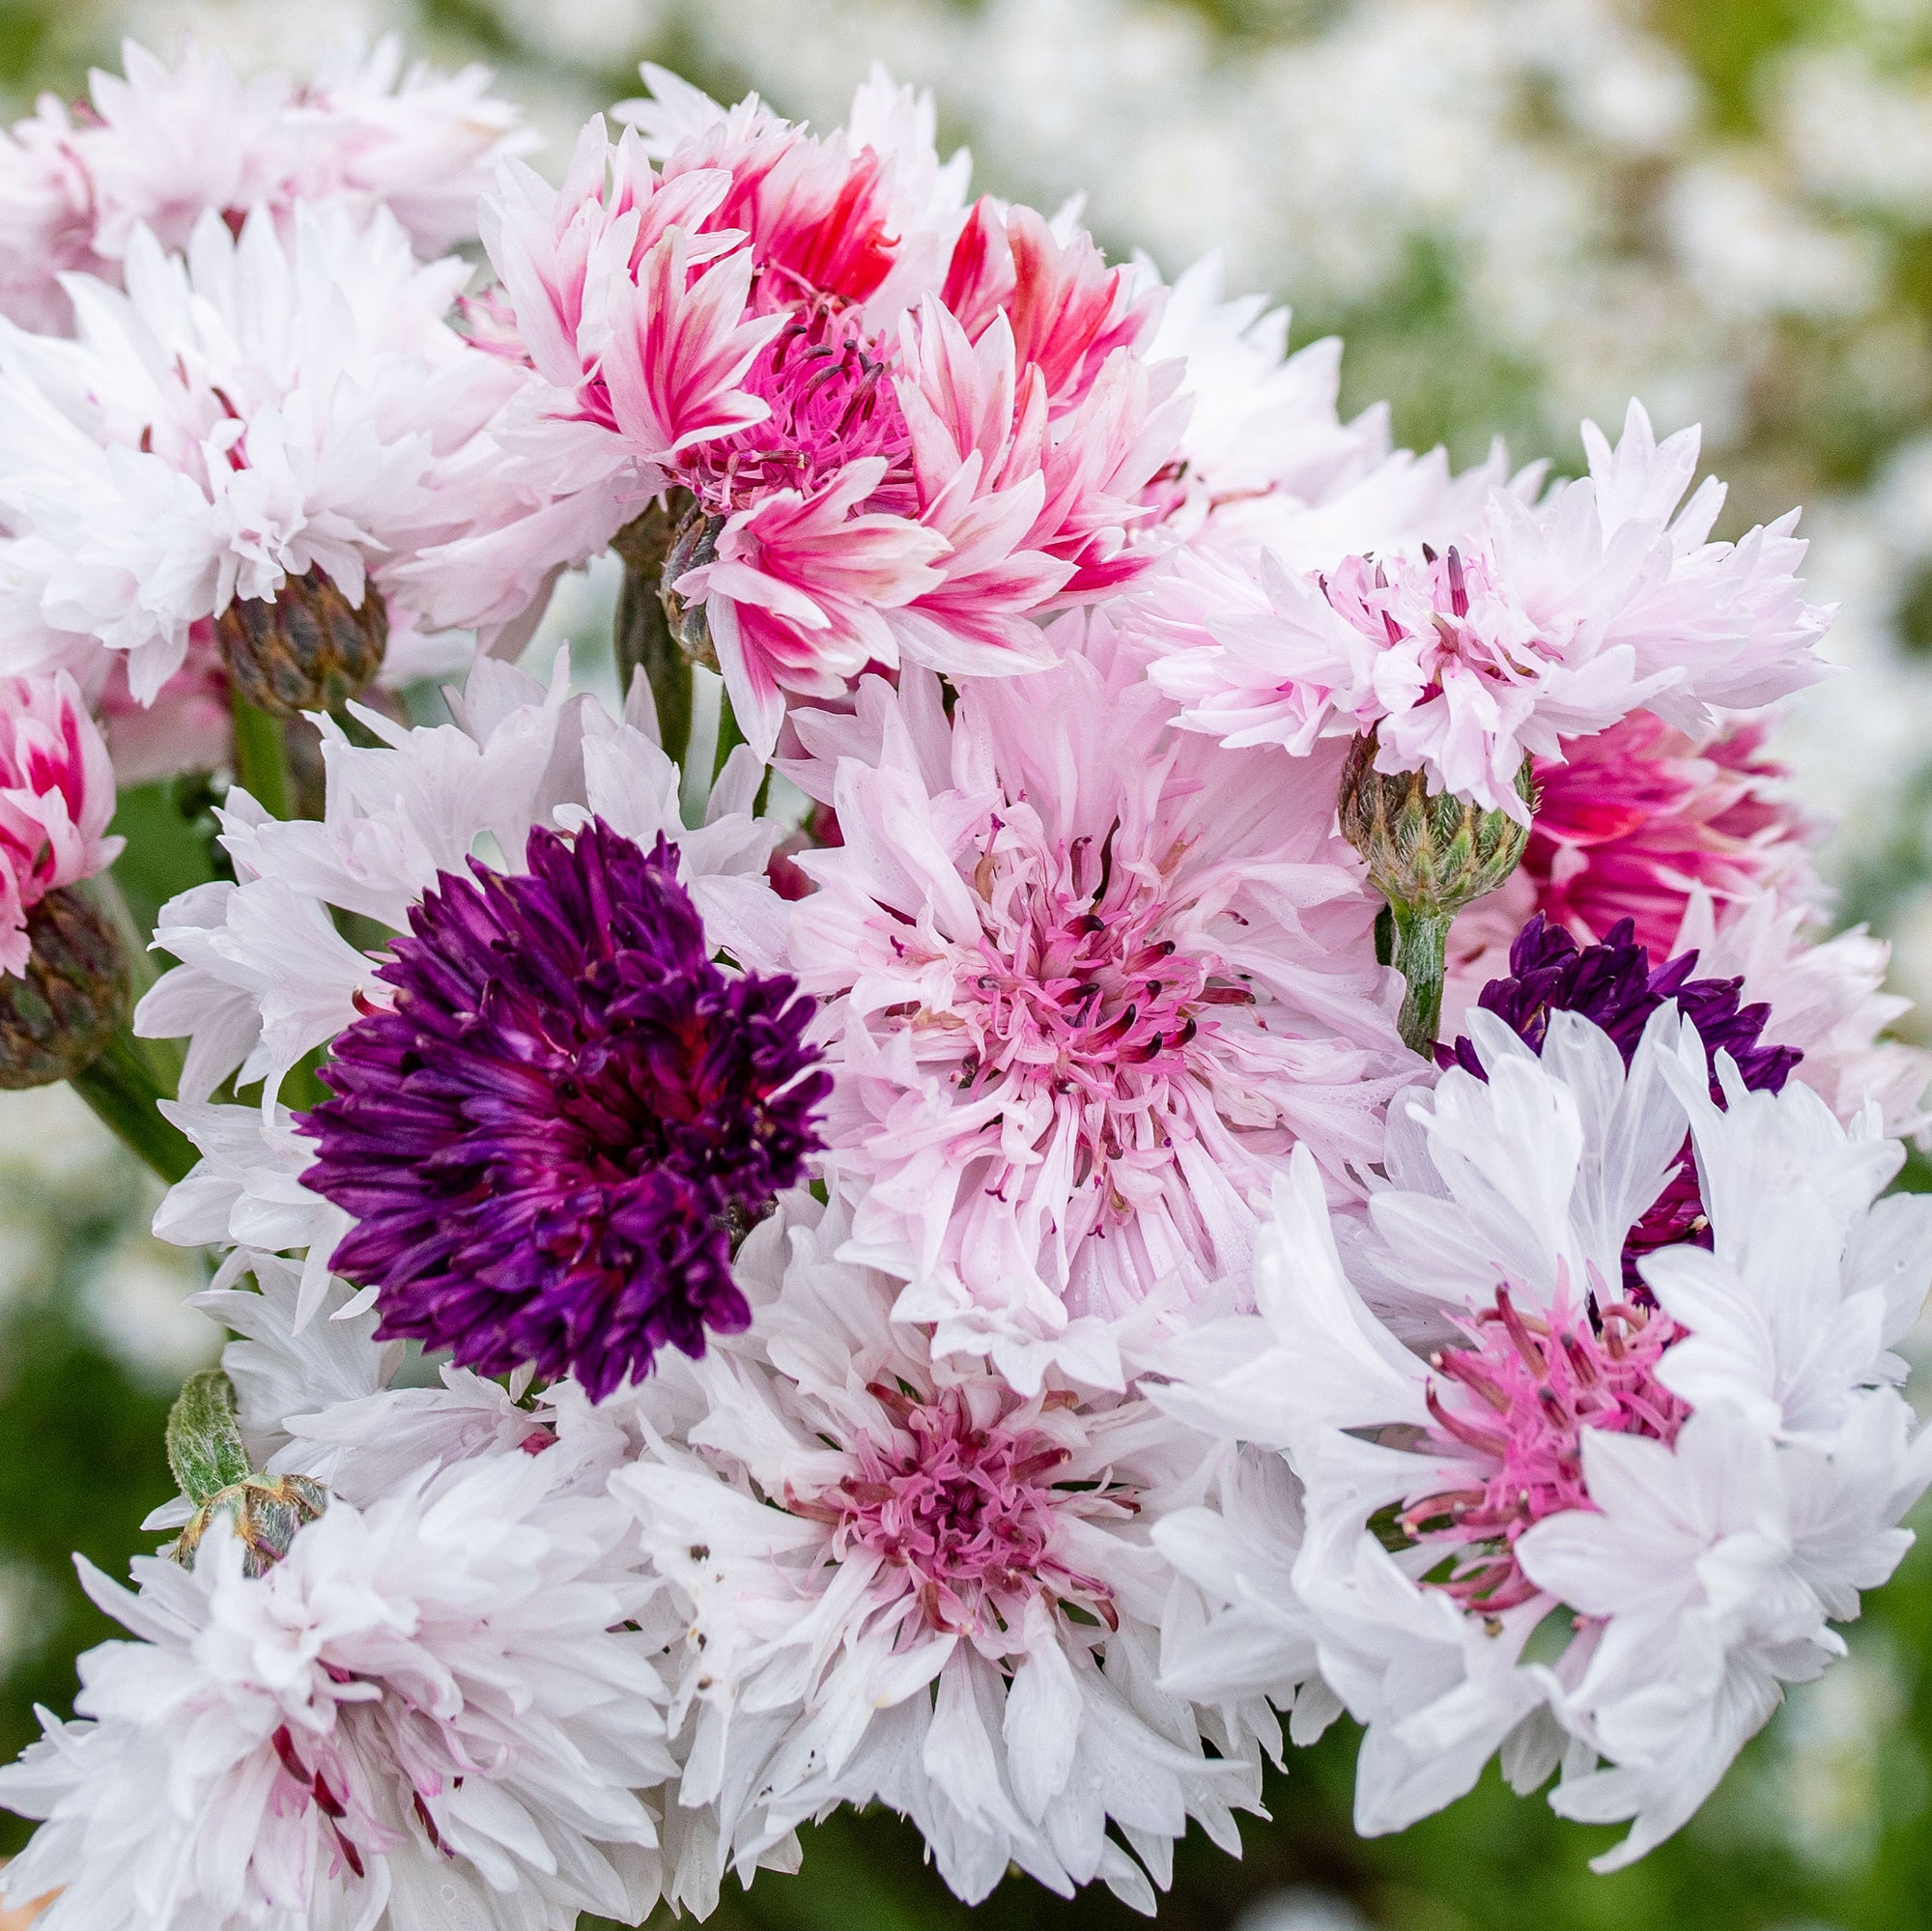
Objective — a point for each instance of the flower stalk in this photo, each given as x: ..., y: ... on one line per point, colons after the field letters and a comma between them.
x: 643, y: 637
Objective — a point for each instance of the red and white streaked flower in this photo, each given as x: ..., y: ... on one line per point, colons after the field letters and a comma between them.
x: 905, y: 1582
x: 901, y: 427
x: 1550, y: 620
x: 160, y: 147
x: 430, y: 1710
x: 56, y: 802
x: 1700, y: 1475
x: 1086, y: 979
x: 257, y: 408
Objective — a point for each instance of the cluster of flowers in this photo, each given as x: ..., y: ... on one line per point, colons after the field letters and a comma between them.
x: 978, y: 1293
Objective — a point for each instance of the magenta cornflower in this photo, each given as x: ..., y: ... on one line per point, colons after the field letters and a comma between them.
x: 1513, y: 1404
x: 550, y: 1134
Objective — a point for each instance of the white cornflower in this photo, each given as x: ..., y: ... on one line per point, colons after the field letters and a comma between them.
x: 428, y: 1711
x: 907, y: 1583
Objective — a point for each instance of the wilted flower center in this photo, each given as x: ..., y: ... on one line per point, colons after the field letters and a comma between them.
x: 966, y: 1511
x: 831, y: 403
x: 1514, y: 1405
x: 1079, y: 996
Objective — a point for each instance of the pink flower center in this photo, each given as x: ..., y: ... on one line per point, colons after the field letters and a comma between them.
x: 1080, y: 995
x: 1513, y: 1404
x: 831, y: 403
x: 964, y: 1512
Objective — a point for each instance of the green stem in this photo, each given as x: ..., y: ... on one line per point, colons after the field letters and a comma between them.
x: 260, y: 758
x: 730, y: 735
x: 643, y: 639
x: 1421, y: 945
x: 122, y: 1087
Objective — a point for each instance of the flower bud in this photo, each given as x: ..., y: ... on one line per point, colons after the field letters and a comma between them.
x: 308, y: 648
x: 695, y: 545
x: 1427, y: 852
x: 59, y: 1014
x: 264, y: 1513
x: 1428, y: 855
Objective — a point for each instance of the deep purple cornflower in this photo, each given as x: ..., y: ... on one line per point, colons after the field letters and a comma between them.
x: 549, y: 1135
x: 1613, y: 985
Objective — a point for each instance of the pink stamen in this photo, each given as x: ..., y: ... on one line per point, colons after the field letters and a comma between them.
x: 1515, y: 1404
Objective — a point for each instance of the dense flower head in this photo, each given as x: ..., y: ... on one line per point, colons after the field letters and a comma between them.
x: 547, y: 1131
x: 1546, y: 621
x: 276, y: 401
x: 158, y: 146
x: 429, y: 1706
x: 1508, y: 1402
x: 1087, y: 980
x: 914, y: 426
x: 896, y: 1582
x: 1488, y: 1431
x: 56, y: 801
x: 1614, y: 986
x: 1631, y: 822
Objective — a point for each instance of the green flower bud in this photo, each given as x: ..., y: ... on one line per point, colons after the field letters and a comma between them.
x: 58, y: 1018
x: 1429, y: 854
x: 264, y: 1513
x: 308, y: 648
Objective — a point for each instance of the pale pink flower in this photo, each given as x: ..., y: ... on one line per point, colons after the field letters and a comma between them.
x: 1086, y: 981
x: 161, y: 146
x: 56, y: 802
x: 1551, y: 621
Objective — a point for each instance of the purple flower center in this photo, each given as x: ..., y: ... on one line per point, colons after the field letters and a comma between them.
x: 549, y: 1135
x: 1614, y: 986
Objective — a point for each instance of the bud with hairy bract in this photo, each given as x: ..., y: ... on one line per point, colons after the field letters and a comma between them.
x: 264, y: 1513
x: 306, y: 648
x: 64, y: 970
x: 1429, y: 854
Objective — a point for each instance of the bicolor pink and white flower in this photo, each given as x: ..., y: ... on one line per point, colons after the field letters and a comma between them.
x: 1087, y: 978
x: 1701, y: 1474
x: 56, y: 802
x: 1550, y: 621
x: 155, y: 148
x: 892, y: 425
x: 905, y: 1582
x: 430, y: 1706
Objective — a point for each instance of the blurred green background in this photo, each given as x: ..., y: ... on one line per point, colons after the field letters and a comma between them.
x: 1518, y: 213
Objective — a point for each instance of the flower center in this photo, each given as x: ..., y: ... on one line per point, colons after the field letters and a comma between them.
x: 965, y: 1511
x: 1078, y: 996
x: 1514, y: 1405
x: 831, y: 403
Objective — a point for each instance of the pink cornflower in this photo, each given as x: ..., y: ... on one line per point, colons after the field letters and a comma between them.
x: 1512, y: 1404
x: 1550, y: 622
x: 56, y: 802
x: 1089, y: 979
x: 786, y: 327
